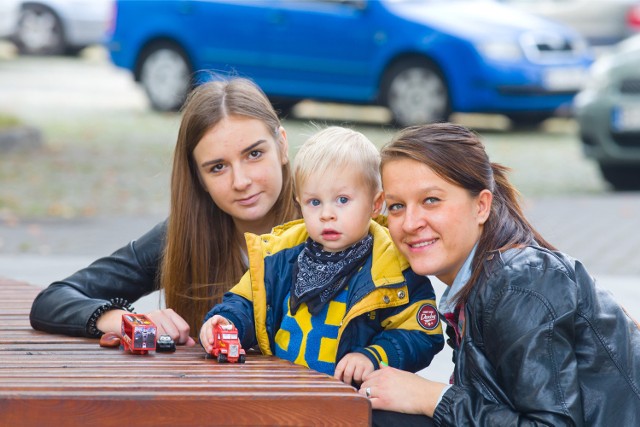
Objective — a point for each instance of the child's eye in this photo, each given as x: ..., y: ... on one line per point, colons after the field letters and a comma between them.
x: 314, y: 202
x: 395, y: 207
x: 343, y: 200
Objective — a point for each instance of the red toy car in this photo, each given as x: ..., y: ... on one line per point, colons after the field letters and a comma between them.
x: 138, y: 333
x: 226, y: 346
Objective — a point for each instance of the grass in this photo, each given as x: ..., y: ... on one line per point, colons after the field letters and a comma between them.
x: 89, y: 167
x: 120, y: 164
x: 8, y: 121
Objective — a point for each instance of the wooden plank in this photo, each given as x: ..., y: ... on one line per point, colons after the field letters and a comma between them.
x: 195, y: 409
x: 144, y: 388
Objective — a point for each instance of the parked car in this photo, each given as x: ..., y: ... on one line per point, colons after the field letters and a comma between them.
x: 9, y: 12
x: 422, y: 59
x: 601, y: 22
x: 608, y: 114
x: 53, y: 27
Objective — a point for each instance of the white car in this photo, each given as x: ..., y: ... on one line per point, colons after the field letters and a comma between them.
x: 9, y: 13
x: 53, y: 27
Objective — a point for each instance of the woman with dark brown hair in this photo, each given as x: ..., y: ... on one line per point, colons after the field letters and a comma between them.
x: 231, y: 175
x: 535, y: 341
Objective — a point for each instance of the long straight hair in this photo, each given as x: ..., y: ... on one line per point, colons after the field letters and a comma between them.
x: 202, y: 257
x: 457, y: 155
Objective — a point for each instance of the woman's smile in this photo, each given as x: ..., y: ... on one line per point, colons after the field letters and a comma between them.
x: 417, y: 245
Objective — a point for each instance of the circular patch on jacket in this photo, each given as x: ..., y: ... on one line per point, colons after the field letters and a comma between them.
x: 427, y: 317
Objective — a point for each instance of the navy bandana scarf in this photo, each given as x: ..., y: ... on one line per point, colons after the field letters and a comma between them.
x: 319, y: 275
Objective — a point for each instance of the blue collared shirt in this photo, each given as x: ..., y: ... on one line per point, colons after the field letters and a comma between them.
x: 447, y: 304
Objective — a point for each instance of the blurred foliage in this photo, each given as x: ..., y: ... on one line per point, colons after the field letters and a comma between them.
x: 8, y: 121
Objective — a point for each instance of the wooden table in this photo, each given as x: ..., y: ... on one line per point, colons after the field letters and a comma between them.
x: 54, y: 380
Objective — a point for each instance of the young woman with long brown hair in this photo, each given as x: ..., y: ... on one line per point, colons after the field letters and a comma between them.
x: 231, y: 175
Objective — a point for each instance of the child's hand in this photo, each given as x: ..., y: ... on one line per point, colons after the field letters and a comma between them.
x: 353, y: 367
x: 206, y: 332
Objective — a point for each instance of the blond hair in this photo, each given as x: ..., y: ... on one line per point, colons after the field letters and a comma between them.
x: 337, y: 148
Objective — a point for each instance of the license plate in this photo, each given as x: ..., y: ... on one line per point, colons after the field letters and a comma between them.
x: 233, y: 350
x: 564, y: 79
x: 626, y: 118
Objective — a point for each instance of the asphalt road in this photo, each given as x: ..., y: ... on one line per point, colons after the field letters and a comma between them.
x: 58, y: 216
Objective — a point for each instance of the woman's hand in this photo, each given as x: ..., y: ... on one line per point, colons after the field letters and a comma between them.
x: 353, y: 367
x: 170, y: 323
x: 167, y: 321
x: 206, y: 332
x: 401, y: 391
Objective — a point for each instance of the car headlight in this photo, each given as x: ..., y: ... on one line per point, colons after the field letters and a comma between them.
x: 499, y: 50
x: 599, y: 75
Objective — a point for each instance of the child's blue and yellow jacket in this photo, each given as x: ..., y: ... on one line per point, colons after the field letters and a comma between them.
x: 391, y: 312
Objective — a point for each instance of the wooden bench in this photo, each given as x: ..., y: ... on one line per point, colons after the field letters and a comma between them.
x: 55, y: 380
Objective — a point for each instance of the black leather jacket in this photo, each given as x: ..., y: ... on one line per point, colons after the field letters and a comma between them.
x: 543, y: 346
x: 131, y: 272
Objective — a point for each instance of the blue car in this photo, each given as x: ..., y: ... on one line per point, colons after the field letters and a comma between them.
x: 423, y: 59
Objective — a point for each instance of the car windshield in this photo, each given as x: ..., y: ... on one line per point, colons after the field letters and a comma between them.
x: 230, y: 336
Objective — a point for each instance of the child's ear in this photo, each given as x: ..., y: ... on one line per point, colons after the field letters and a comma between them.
x: 378, y: 202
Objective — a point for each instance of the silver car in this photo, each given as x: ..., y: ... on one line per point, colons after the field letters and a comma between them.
x: 52, y: 27
x: 608, y: 114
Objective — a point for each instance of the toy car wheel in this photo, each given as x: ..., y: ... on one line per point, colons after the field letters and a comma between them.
x: 415, y: 92
x: 39, y: 31
x: 165, y: 73
x: 222, y: 358
x: 242, y: 358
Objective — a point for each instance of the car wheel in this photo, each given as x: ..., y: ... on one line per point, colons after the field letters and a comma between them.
x: 416, y: 93
x: 283, y: 106
x: 39, y: 31
x: 242, y: 358
x: 527, y: 120
x: 165, y: 74
x: 222, y: 358
x: 622, y: 177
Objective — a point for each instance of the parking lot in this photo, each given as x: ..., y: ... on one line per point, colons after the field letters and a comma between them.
x: 101, y: 177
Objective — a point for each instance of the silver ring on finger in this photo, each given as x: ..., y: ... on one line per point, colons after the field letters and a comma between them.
x: 367, y: 392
